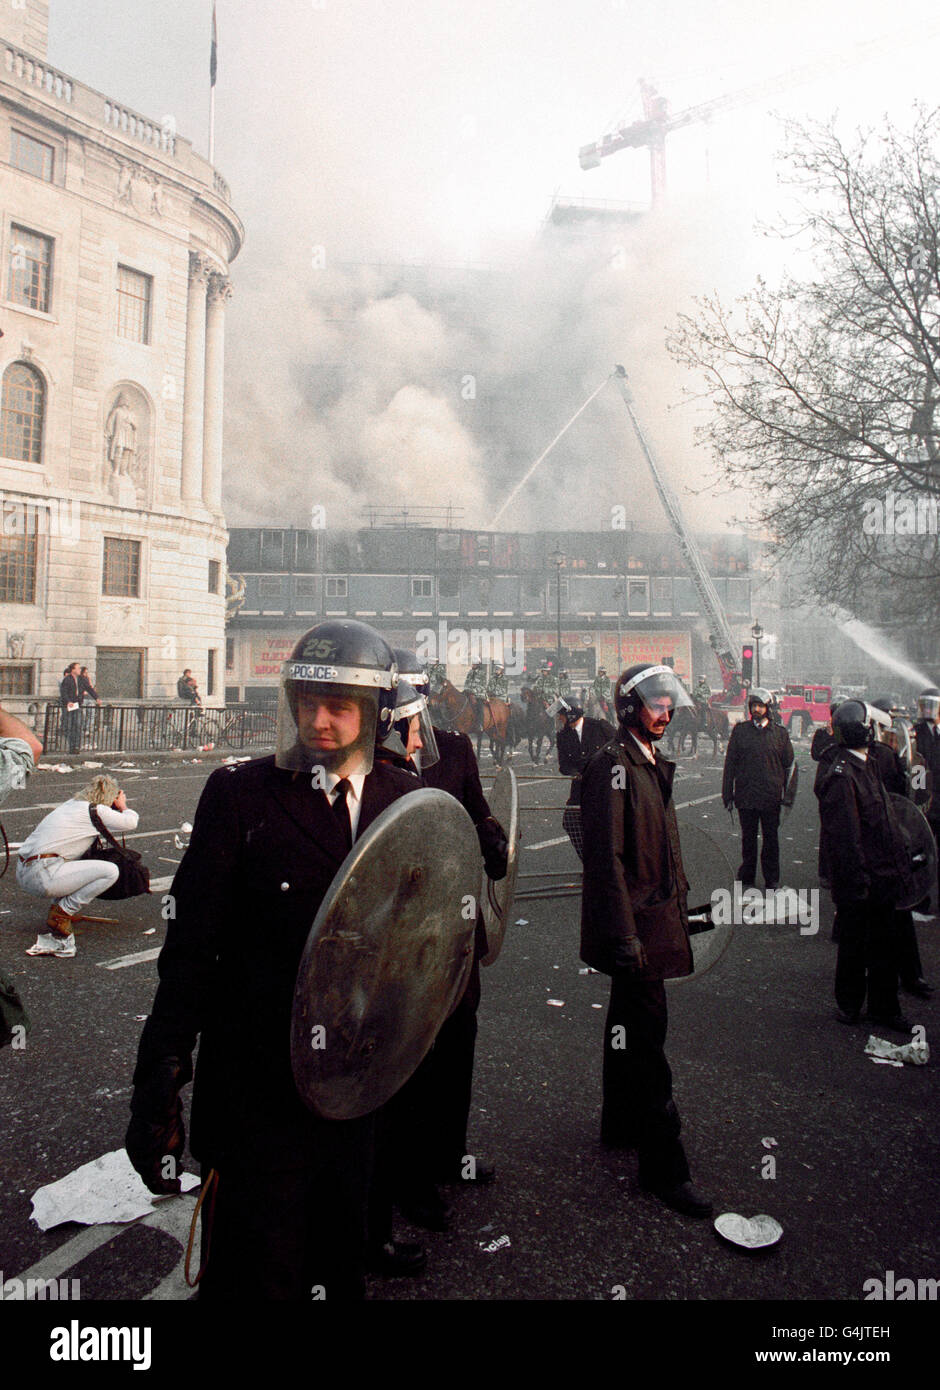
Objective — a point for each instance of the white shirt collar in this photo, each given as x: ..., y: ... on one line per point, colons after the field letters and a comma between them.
x: 648, y: 753
x: 860, y: 753
x: 356, y: 782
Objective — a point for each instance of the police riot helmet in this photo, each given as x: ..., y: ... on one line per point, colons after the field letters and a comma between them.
x: 411, y: 667
x: 646, y: 685
x: 759, y: 696
x: 337, y: 669
x: 412, y: 733
x: 850, y: 724
x: 928, y: 703
x: 567, y: 709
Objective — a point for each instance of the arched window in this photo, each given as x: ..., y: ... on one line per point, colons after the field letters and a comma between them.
x: 24, y: 403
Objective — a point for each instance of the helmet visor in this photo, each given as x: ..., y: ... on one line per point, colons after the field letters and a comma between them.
x: 659, y: 689
x: 412, y: 733
x: 928, y: 706
x: 328, y: 723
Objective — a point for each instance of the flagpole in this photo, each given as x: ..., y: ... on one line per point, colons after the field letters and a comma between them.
x: 213, y: 60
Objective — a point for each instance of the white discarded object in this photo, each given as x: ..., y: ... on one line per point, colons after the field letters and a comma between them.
x: 500, y: 1243
x: 588, y: 970
x: 92, y: 764
x: 186, y: 828
x: 558, y: 1003
x: 880, y: 1050
x: 107, y: 1189
x: 52, y: 767
x: 887, y: 1062
x: 522, y: 921
x: 769, y: 1143
x: 150, y: 931
x: 751, y: 1232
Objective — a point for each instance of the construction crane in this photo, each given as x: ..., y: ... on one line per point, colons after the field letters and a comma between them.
x: 657, y: 123
x: 719, y: 629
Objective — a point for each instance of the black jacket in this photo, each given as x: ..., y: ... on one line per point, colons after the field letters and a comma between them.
x: 757, y: 765
x: 634, y: 883
x: 928, y: 746
x: 575, y: 753
x: 264, y: 850
x: 864, y: 846
x: 68, y: 691
x: 890, y: 767
x: 822, y: 739
x: 458, y: 774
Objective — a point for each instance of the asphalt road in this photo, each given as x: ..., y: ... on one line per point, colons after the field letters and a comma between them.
x: 783, y: 1112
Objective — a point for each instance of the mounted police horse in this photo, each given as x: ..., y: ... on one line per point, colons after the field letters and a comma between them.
x: 689, y: 723
x: 538, y: 724
x: 466, y: 714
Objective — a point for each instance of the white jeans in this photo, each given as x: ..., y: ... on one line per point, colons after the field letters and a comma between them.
x: 74, y: 882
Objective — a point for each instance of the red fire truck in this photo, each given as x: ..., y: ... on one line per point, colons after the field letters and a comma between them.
x: 802, y: 706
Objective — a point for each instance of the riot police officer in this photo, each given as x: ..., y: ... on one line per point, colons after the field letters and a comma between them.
x: 498, y: 686
x: 475, y: 684
x: 869, y: 869
x: 286, y: 1190
x: 634, y: 927
x: 757, y: 781
x: 601, y: 687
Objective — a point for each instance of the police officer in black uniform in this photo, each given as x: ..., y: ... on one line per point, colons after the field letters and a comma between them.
x: 757, y: 782
x: 431, y: 1113
x: 286, y: 1190
x: 578, y: 738
x: 634, y: 927
x: 869, y: 870
x: 927, y: 737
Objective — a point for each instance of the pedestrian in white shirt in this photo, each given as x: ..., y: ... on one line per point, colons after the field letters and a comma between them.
x: 51, y: 864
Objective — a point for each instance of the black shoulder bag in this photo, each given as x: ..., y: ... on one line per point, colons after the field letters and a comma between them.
x: 133, y: 875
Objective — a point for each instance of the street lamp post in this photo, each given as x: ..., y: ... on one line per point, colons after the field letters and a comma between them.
x: 757, y: 633
x: 618, y: 595
x: 558, y: 560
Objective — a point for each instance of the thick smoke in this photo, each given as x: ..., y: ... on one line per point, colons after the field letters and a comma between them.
x: 406, y: 385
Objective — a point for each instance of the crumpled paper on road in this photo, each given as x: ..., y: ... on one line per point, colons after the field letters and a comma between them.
x: 107, y: 1189
x: 880, y: 1050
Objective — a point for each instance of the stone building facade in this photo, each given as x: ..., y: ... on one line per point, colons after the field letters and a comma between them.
x: 115, y: 245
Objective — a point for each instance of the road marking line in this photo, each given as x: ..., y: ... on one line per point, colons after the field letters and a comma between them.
x: 681, y: 805
x: 138, y: 958
x: 544, y: 844
x: 173, y: 1216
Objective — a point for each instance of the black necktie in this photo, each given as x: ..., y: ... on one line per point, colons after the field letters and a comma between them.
x: 341, y: 811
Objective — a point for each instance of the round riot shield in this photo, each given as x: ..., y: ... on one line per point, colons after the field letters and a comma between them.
x: 496, y: 897
x: 707, y: 868
x: 922, y: 847
x: 387, y: 957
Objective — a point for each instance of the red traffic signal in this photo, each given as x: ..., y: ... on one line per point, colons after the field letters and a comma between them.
x: 747, y: 663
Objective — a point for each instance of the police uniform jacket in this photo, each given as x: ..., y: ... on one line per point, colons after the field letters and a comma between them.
x: 864, y: 844
x: 822, y: 739
x: 264, y: 850
x: 634, y: 884
x: 757, y: 762
x: 890, y: 767
x: 928, y: 746
x: 575, y: 753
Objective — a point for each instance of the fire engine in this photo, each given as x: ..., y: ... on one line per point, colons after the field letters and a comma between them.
x: 802, y: 706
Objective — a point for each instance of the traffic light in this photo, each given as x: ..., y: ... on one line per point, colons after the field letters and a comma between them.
x: 747, y: 663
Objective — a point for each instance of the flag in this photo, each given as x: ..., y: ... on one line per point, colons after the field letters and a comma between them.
x: 213, y: 55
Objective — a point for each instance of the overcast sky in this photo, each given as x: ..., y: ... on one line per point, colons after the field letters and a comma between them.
x: 411, y: 130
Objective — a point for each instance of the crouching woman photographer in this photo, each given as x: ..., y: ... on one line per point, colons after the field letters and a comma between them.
x: 51, y: 863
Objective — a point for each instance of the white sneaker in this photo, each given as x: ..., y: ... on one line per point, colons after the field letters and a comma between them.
x: 49, y: 945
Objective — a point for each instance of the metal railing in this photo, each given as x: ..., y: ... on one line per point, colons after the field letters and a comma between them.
x: 138, y: 728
